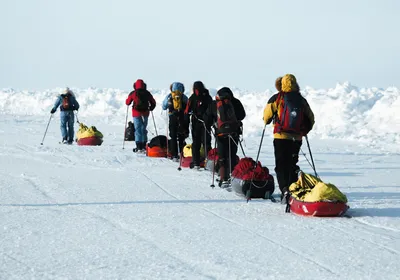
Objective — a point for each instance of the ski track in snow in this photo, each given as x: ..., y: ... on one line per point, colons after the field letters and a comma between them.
x: 180, y: 261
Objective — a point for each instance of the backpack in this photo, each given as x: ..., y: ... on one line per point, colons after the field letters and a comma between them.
x: 177, y: 90
x: 176, y: 97
x: 141, y: 100
x: 130, y: 132
x: 158, y: 141
x: 227, y: 123
x: 66, y: 102
x: 290, y: 115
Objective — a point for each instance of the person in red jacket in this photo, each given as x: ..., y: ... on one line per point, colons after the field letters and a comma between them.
x: 143, y: 102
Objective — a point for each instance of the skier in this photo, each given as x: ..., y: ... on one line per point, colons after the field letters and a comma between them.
x: 226, y: 114
x: 175, y: 102
x: 293, y: 119
x: 67, y: 103
x: 196, y: 107
x: 143, y: 103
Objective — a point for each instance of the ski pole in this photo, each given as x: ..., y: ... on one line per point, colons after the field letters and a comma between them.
x: 51, y: 115
x: 212, y: 184
x: 167, y: 134
x: 312, y: 160
x: 76, y: 115
x: 155, y: 127
x: 126, y: 121
x: 248, y: 193
x: 180, y: 154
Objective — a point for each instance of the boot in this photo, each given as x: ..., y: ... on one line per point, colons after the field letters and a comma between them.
x: 138, y: 147
x: 143, y: 147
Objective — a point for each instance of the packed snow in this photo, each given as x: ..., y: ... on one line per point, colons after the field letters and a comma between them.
x: 88, y: 212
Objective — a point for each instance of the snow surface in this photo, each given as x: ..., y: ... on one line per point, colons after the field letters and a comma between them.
x: 74, y: 212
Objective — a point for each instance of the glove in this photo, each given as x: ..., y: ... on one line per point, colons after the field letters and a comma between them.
x: 53, y: 111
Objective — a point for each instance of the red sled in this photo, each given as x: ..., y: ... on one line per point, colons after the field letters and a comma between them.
x: 318, y: 209
x: 90, y: 141
x: 156, y: 151
x: 187, y: 160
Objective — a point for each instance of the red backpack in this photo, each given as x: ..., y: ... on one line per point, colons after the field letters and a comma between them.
x: 66, y: 103
x: 290, y: 115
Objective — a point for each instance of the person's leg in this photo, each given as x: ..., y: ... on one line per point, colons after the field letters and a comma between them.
x: 63, y: 125
x: 208, y: 140
x: 296, y: 145
x: 196, y: 145
x: 233, y: 152
x: 283, y: 159
x: 181, y: 142
x: 145, y: 122
x: 138, y: 122
x: 174, y: 135
x: 71, y: 119
x: 223, y: 159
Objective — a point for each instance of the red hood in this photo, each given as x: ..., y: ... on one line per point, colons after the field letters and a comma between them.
x: 139, y: 84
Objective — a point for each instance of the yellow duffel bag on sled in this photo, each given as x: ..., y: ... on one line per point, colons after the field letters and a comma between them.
x: 89, y: 136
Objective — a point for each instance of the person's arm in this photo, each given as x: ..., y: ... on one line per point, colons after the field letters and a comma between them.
x: 165, y: 104
x: 240, y: 112
x: 309, y: 115
x: 75, y: 103
x: 56, y: 105
x: 152, y: 102
x: 210, y: 114
x: 188, y: 108
x: 270, y: 110
x: 129, y: 100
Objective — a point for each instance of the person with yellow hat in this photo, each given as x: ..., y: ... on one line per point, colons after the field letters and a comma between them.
x: 292, y: 118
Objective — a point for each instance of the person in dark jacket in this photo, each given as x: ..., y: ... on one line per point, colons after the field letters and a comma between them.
x: 175, y: 102
x: 287, y: 143
x: 67, y: 104
x: 143, y: 103
x: 196, y: 107
x: 227, y: 145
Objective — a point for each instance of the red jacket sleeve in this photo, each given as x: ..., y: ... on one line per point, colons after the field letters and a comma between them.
x: 187, y: 107
x: 129, y: 100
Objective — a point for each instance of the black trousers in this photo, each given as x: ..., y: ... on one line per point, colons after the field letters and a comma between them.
x: 286, y: 158
x: 227, y: 150
x: 177, y: 135
x: 199, y: 136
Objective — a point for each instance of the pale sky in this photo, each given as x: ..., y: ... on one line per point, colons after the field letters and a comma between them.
x: 245, y: 44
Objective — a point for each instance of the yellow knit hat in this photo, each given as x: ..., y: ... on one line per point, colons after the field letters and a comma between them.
x: 289, y: 83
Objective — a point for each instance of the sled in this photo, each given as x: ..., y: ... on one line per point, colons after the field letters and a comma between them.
x: 88, y: 136
x: 156, y: 151
x: 186, y: 161
x: 259, y: 189
x: 90, y: 141
x: 318, y: 208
